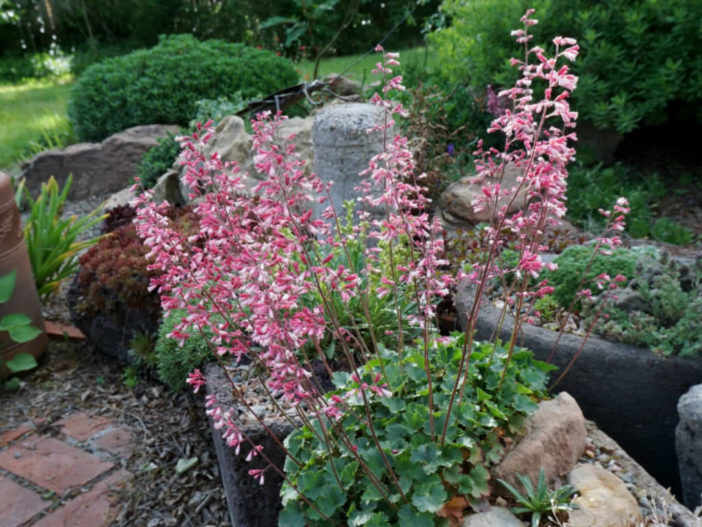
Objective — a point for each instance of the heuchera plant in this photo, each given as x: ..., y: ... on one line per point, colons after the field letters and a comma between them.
x: 411, y: 429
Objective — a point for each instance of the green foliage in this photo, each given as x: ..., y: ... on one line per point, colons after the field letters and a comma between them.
x: 163, y: 84
x: 428, y: 472
x: 17, y: 68
x: 548, y: 307
x: 19, y: 328
x: 175, y: 362
x: 368, y: 312
x: 539, y: 500
x: 216, y: 109
x: 636, y: 56
x: 593, y: 188
x: 570, y: 276
x: 52, y: 242
x: 157, y: 160
x: 671, y: 323
x: 666, y: 230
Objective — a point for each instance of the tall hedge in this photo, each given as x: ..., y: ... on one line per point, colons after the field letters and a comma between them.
x: 163, y: 84
x: 636, y: 56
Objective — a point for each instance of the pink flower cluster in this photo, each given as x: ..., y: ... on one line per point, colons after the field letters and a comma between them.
x: 537, y: 135
x: 260, y: 256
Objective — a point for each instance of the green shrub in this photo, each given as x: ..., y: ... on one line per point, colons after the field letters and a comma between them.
x: 163, y: 84
x: 157, y: 160
x: 592, y: 188
x: 666, y: 230
x: 636, y: 56
x: 174, y: 362
x: 572, y: 263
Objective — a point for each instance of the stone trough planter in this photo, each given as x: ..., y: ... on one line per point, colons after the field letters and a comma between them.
x: 250, y: 504
x: 631, y: 393
x: 558, y: 439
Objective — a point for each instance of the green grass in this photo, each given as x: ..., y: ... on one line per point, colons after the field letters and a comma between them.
x: 28, y: 112
x: 361, y: 69
x: 35, y: 110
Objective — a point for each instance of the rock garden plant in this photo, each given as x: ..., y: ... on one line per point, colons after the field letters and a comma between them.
x: 414, y: 423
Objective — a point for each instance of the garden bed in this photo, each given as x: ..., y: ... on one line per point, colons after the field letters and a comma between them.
x: 254, y: 505
x: 630, y: 392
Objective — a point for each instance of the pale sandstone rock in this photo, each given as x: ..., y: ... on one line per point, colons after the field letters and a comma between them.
x: 233, y: 144
x: 604, y: 500
x: 456, y: 201
x: 495, y: 517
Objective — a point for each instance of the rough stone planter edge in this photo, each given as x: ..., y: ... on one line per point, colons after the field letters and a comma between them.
x: 630, y: 392
x: 253, y: 505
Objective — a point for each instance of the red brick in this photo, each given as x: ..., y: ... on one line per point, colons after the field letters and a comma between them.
x: 11, y: 435
x: 62, y: 330
x: 81, y: 426
x: 116, y: 441
x: 95, y: 508
x: 18, y: 504
x: 52, y: 464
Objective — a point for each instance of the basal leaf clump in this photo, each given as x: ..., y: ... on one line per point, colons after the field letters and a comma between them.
x: 428, y: 472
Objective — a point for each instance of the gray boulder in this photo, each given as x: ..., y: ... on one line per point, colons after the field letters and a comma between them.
x: 343, y: 148
x: 689, y: 446
x: 97, y: 168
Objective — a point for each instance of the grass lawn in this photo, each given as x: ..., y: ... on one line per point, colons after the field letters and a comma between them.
x: 27, y: 112
x: 361, y: 65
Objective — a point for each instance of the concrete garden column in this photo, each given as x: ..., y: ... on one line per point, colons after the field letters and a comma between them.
x: 343, y: 148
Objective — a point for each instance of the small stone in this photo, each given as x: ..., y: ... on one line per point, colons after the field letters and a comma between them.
x: 495, y: 517
x: 604, y: 500
x: 185, y: 464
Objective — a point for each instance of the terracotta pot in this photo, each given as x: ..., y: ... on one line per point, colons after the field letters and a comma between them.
x: 14, y: 257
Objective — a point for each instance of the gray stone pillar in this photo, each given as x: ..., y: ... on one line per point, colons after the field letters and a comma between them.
x: 688, y: 443
x: 343, y: 148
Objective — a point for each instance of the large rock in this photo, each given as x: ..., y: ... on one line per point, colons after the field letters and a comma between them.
x: 604, y: 500
x: 554, y: 440
x: 233, y: 144
x: 689, y: 445
x: 494, y: 517
x: 456, y: 202
x: 97, y: 168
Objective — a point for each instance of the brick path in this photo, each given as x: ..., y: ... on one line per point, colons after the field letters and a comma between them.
x: 65, y: 479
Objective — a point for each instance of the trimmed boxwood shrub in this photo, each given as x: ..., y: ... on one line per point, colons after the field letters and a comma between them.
x: 164, y: 83
x: 636, y: 56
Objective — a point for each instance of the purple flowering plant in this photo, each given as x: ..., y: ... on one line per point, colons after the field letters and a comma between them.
x: 416, y: 420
